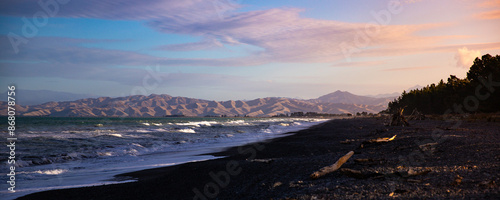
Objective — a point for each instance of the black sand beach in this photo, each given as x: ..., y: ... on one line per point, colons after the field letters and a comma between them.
x: 431, y: 159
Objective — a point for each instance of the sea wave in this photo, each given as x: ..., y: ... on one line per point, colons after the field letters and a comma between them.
x: 52, y: 172
x: 186, y: 130
x: 72, y: 150
x: 72, y: 141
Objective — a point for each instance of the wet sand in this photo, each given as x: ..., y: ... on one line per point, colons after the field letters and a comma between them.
x: 431, y: 159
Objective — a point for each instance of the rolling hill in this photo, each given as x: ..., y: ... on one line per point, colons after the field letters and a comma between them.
x: 349, y: 98
x: 165, y: 105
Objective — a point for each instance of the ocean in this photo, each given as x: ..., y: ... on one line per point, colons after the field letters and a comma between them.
x: 55, y: 153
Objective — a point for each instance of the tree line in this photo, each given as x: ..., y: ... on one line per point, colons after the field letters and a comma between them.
x: 479, y: 92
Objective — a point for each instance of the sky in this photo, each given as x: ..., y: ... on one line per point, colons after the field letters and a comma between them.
x: 240, y: 49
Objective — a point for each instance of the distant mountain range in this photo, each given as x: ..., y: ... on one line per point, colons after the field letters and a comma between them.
x: 164, y: 105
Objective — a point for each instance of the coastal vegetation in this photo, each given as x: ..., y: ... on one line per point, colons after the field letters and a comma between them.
x: 479, y: 92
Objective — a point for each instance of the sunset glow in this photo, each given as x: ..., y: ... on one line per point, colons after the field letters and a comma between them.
x: 228, y: 49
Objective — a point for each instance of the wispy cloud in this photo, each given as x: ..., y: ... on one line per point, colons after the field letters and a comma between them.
x: 489, y: 3
x: 282, y: 33
x: 494, y: 14
x: 359, y: 64
x: 205, y: 44
x: 408, y: 68
x: 287, y: 37
x: 59, y: 50
x: 400, y: 51
x: 173, y: 10
x: 491, y: 14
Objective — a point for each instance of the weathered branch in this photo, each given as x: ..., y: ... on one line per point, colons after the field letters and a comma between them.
x: 378, y: 140
x: 383, y: 139
x: 332, y: 168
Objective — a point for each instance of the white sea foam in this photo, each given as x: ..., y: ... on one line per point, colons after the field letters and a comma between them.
x: 186, y: 130
x: 143, y: 131
x: 84, y: 154
x: 198, y: 124
x: 116, y: 135
x: 52, y: 172
x: 236, y: 123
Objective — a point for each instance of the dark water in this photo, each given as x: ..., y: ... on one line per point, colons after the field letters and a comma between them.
x: 67, y: 152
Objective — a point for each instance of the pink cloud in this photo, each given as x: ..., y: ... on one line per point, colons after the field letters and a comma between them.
x: 359, y: 64
x: 494, y: 14
x: 465, y: 57
x: 489, y: 3
x: 408, y: 68
x: 407, y: 50
x: 282, y: 33
x: 287, y: 37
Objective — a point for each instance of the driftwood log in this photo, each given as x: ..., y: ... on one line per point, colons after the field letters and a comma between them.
x: 332, y: 168
x: 386, y: 139
x: 378, y: 140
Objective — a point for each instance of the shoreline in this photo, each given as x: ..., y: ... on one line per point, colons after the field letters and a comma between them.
x: 101, y: 170
x: 454, y: 166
